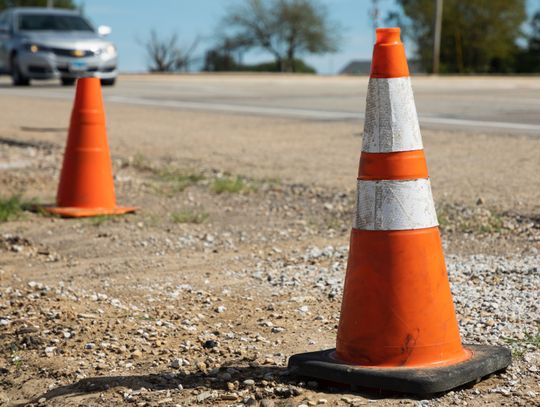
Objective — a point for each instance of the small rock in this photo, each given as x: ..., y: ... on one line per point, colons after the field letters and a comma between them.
x: 136, y: 354
x: 209, y: 344
x: 205, y: 395
x: 250, y: 402
x: 249, y: 382
x: 283, y: 392
x: 50, y: 349
x: 177, y: 363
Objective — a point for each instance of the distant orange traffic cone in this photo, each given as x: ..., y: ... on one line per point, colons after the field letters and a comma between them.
x: 86, y: 183
x: 397, y: 329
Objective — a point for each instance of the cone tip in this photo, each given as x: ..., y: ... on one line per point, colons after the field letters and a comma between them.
x: 389, y: 35
x: 88, y: 94
x: 88, y: 81
x: 389, y: 59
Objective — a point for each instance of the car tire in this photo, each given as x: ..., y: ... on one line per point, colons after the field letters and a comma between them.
x: 108, y: 82
x: 17, y: 77
x: 67, y: 81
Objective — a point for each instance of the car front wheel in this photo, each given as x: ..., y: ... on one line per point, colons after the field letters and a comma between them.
x: 108, y: 82
x: 68, y: 81
x: 17, y: 77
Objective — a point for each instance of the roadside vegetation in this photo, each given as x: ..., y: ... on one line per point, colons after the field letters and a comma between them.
x: 11, y: 208
x: 189, y: 216
x: 232, y: 185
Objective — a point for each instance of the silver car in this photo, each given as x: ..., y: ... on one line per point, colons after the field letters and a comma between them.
x: 48, y: 43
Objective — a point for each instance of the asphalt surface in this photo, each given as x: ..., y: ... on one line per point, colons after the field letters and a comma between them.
x: 480, y: 104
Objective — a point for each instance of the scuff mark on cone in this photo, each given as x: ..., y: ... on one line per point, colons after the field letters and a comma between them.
x: 394, y: 205
x: 391, y: 122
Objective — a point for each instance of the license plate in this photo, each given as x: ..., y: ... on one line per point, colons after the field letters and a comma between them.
x: 78, y: 66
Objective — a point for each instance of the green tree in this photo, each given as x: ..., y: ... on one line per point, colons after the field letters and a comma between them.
x: 284, y: 28
x: 528, y: 58
x: 534, y: 38
x: 36, y: 3
x: 477, y: 35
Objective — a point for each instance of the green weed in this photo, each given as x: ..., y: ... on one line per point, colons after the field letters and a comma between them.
x: 231, y: 185
x: 463, y: 219
x: 519, y: 345
x: 99, y: 220
x: 11, y: 208
x: 178, y: 179
x: 189, y: 216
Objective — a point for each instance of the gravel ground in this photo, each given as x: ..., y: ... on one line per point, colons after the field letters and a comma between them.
x: 202, y: 296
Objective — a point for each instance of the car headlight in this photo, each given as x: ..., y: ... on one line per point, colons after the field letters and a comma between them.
x: 33, y: 47
x: 109, y: 49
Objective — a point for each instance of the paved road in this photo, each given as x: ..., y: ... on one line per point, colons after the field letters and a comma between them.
x: 507, y: 105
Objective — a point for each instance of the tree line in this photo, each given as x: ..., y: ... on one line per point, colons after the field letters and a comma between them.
x: 478, y: 36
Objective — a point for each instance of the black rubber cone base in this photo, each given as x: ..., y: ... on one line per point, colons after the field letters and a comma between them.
x: 484, y: 361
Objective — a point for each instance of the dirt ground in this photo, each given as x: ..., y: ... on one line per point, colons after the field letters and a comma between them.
x: 234, y: 261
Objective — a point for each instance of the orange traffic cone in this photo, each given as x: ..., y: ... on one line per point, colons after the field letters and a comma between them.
x: 86, y: 183
x: 397, y: 329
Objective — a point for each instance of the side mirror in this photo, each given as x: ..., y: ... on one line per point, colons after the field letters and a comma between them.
x: 4, y: 29
x: 104, y: 30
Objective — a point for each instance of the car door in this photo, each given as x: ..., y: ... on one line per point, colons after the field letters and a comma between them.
x: 5, y: 33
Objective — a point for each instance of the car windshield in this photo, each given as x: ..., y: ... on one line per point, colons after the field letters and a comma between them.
x: 51, y: 22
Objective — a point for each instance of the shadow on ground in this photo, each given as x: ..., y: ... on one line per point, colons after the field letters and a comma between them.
x: 171, y: 381
x: 165, y: 381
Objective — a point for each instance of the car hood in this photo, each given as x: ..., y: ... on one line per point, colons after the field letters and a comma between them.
x: 65, y: 39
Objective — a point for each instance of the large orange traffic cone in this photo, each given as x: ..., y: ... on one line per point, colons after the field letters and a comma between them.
x: 86, y: 183
x: 397, y: 329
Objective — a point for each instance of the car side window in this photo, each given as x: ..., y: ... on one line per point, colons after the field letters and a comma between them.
x: 5, y: 20
x: 9, y: 18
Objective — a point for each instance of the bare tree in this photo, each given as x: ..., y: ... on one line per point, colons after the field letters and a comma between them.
x: 284, y: 28
x: 165, y: 55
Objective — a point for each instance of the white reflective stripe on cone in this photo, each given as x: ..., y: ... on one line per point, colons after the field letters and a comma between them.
x: 391, y: 122
x: 394, y: 205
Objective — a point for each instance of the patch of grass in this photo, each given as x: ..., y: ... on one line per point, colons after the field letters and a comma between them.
x: 17, y: 361
x: 444, y: 218
x: 464, y: 219
x: 335, y: 223
x: 494, y: 224
x: 176, y: 179
x: 171, y: 181
x: 100, y: 219
x: 519, y: 345
x: 140, y: 162
x: 189, y: 216
x: 179, y: 179
x: 534, y: 339
x: 231, y: 185
x: 11, y: 208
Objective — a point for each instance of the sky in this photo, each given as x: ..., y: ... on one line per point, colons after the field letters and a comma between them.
x: 132, y: 20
